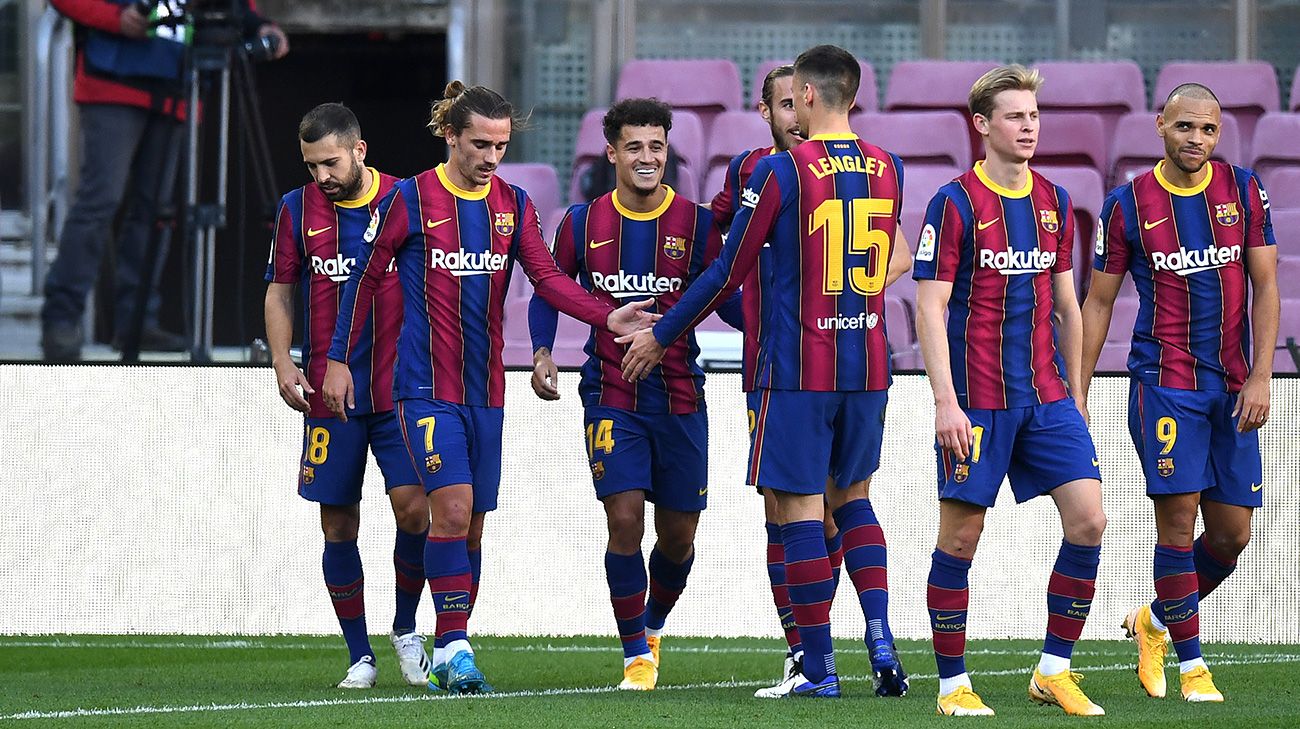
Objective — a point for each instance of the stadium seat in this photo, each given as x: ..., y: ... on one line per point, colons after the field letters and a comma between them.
x: 1277, y: 142
x: 867, y: 99
x: 587, y: 149
x: 538, y: 180
x: 936, y: 85
x: 1136, y: 146
x: 924, y: 137
x: 1288, y: 327
x: 1087, y: 191
x: 903, y: 351
x: 570, y: 337
x: 1071, y: 87
x: 1286, y: 228
x: 733, y: 132
x: 712, y: 184
x: 1114, y: 354
x: 920, y: 183
x: 1071, y: 140
x: 1248, y: 89
x: 1283, y: 186
x: 706, y: 86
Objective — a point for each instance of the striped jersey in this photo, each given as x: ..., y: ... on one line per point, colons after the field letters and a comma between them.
x: 316, y: 245
x: 1186, y: 250
x: 725, y: 206
x: 454, y: 250
x: 999, y: 249
x: 621, y: 255
x: 828, y: 210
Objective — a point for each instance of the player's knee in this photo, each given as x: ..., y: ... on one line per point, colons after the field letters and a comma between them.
x: 1087, y: 528
x: 960, y: 543
x: 412, y: 517
x: 339, y: 523
x: 451, y: 519
x: 1227, y: 546
x: 625, y: 531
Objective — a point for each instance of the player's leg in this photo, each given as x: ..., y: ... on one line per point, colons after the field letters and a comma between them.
x: 1227, y: 507
x: 947, y: 598
x: 474, y: 549
x: 669, y: 566
x: 834, y: 543
x: 1215, y: 552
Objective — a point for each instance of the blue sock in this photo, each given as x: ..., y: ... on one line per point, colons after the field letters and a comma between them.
x: 341, y: 563
x: 408, y: 565
x: 1177, y: 596
x: 835, y: 553
x: 947, y: 597
x: 865, y: 554
x: 446, y: 566
x: 808, y: 576
x: 626, y: 576
x: 1070, y: 591
x: 667, y: 580
x: 475, y: 569
x: 780, y: 593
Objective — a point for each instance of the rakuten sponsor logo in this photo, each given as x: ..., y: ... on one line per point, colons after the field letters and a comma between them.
x: 1184, y: 262
x: 464, y: 263
x: 337, y: 268
x: 1014, y: 263
x: 622, y: 285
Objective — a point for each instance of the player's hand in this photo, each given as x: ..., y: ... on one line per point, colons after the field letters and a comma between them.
x: 629, y: 318
x: 132, y: 23
x: 337, y: 390
x: 642, y: 357
x: 289, y: 378
x: 281, y: 40
x: 1081, y: 404
x: 952, y: 429
x: 1252, y: 405
x: 545, y: 375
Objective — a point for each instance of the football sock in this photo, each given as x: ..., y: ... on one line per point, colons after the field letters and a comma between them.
x: 947, y: 596
x: 408, y: 566
x: 865, y: 555
x: 341, y: 563
x: 780, y: 595
x: 1210, y: 568
x: 1175, y: 575
x: 627, y: 587
x: 835, y: 553
x: 475, y: 569
x: 808, y: 577
x: 446, y: 566
x: 667, y: 580
x: 1069, y: 598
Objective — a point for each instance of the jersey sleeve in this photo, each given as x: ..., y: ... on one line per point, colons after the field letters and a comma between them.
x: 1065, y: 249
x: 760, y: 203
x: 373, y: 257
x: 1260, y: 219
x: 284, y: 265
x: 549, y: 282
x: 732, y: 311
x: 1111, y: 250
x: 938, y: 249
x: 724, y: 203
x: 542, y: 317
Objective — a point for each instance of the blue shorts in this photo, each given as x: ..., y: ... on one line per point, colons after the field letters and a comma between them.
x: 1039, y: 447
x: 800, y: 438
x: 665, y: 455
x: 334, y: 457
x: 451, y: 444
x: 1187, y: 441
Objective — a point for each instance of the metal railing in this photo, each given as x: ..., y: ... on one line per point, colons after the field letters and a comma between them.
x: 49, y: 75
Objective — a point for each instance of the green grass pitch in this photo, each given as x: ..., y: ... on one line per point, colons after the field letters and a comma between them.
x: 89, y: 681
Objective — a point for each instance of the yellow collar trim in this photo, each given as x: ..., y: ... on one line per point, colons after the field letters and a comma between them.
x: 1196, y: 189
x: 842, y: 137
x: 459, y: 192
x: 634, y: 215
x: 369, y: 194
x: 1005, y: 191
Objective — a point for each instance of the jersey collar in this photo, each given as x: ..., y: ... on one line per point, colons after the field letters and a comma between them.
x: 841, y: 137
x: 1196, y: 189
x: 633, y: 215
x: 368, y: 196
x: 457, y: 191
x: 1004, y: 191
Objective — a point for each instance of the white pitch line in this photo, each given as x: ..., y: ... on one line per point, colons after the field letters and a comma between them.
x: 245, y: 706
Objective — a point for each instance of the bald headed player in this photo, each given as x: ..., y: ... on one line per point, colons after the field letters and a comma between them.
x: 1195, y: 235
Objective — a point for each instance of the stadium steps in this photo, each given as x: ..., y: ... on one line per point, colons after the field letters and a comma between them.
x: 20, y: 309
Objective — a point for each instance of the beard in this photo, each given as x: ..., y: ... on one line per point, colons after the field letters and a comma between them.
x: 349, y: 187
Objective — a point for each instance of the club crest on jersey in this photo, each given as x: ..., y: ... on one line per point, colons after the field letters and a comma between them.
x: 1049, y: 221
x: 433, y: 463
x: 674, y: 246
x: 308, y: 474
x: 598, y: 470
x: 961, y: 472
x: 1227, y: 214
x: 1165, y: 466
x: 503, y: 223
x: 373, y: 229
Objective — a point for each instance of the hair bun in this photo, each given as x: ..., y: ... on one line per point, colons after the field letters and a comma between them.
x: 454, y: 89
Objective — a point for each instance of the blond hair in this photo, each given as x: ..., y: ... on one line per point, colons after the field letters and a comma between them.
x: 1014, y: 77
x: 458, y: 103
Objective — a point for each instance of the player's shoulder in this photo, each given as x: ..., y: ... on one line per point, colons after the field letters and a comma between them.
x: 293, y: 199
x: 386, y: 183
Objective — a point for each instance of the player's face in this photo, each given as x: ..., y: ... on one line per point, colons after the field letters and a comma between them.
x: 1190, y: 129
x: 478, y: 149
x: 780, y: 116
x: 335, y: 165
x: 1011, y: 132
x: 639, y: 157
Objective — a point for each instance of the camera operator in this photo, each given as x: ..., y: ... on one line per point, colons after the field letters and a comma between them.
x: 130, y: 91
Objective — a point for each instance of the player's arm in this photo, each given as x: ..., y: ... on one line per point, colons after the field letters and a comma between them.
x: 543, y: 318
x: 732, y: 311
x: 900, y: 258
x: 358, y: 297
x: 937, y: 256
x: 1065, y: 302
x: 724, y: 203
x: 761, y: 202
x: 1261, y: 265
x: 283, y: 269
x: 1110, y: 261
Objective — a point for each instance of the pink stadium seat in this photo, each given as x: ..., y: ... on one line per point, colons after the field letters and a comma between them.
x: 1288, y: 275
x: 714, y: 323
x: 706, y: 86
x: 588, y: 148
x: 898, y: 331
x: 1136, y: 146
x: 936, y: 85
x: 538, y: 180
x: 1086, y: 195
x: 1072, y: 87
x: 1288, y: 326
x: 1283, y: 186
x: 1286, y: 228
x: 1114, y: 357
x: 920, y: 183
x: 1071, y: 140
x: 733, y: 132
x: 570, y: 337
x: 1248, y: 89
x: 1122, y: 319
x: 867, y: 98
x: 1277, y: 142
x: 925, y: 137
x: 712, y: 184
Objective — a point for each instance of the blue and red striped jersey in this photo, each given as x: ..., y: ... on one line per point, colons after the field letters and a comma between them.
x: 1186, y: 250
x: 725, y: 206
x: 999, y: 248
x: 454, y: 251
x: 828, y: 209
x: 622, y: 255
x: 316, y: 245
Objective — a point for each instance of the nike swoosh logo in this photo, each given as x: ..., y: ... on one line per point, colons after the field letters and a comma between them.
x: 1096, y: 462
x: 435, y: 223
x: 312, y: 232
x: 982, y: 224
x: 704, y: 491
x: 1080, y: 604
x: 1176, y: 605
x: 1148, y: 224
x: 593, y: 245
x: 1256, y: 486
x: 946, y: 618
